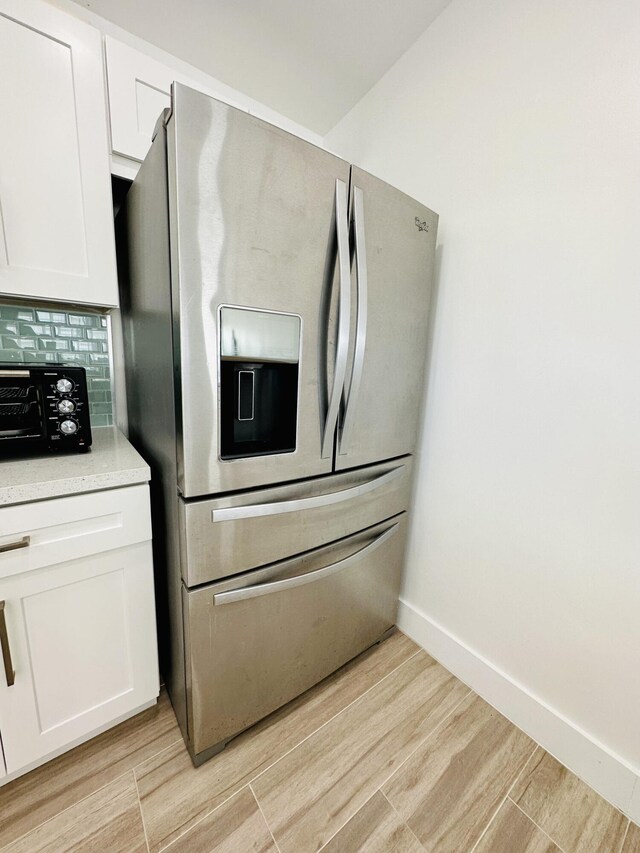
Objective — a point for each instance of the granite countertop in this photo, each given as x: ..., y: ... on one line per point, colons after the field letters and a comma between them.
x: 111, y: 462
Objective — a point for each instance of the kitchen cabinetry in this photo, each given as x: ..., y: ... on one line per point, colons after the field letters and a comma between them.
x: 139, y: 89
x: 78, y: 620
x: 56, y: 225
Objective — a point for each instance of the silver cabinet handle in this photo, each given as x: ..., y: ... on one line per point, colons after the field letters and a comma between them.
x: 361, y: 319
x: 13, y: 546
x: 301, y: 580
x: 233, y: 513
x: 9, y: 674
x: 344, y: 318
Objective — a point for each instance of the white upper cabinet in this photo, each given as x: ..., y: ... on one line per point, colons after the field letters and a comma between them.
x: 56, y: 228
x: 139, y: 90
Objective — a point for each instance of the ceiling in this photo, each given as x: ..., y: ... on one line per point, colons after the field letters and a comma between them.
x: 310, y: 60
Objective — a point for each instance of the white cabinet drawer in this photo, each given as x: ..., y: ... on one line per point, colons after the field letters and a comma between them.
x: 49, y: 532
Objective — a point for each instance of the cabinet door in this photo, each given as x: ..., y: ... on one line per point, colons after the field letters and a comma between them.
x: 82, y: 642
x: 139, y: 90
x: 56, y: 228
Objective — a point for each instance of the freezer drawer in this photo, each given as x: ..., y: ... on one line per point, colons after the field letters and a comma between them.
x: 258, y: 641
x: 224, y: 536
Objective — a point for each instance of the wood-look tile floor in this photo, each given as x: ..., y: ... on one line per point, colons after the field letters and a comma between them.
x: 391, y: 753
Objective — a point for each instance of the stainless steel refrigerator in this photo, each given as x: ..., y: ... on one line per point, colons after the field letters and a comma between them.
x: 276, y: 329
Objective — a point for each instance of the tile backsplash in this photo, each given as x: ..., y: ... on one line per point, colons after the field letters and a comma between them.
x: 72, y: 337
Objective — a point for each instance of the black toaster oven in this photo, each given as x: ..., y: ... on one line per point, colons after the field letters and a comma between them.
x: 43, y: 407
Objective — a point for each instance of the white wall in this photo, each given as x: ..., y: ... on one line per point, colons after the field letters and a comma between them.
x: 518, y: 120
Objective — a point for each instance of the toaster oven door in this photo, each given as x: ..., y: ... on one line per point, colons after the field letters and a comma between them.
x: 20, y: 407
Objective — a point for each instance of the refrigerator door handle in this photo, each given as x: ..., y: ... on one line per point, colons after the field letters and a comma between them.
x: 344, y: 318
x: 301, y: 580
x: 361, y: 320
x: 233, y: 513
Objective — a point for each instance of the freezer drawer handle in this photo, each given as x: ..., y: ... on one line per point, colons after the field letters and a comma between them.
x: 13, y: 546
x: 300, y: 580
x: 233, y: 513
x: 6, y: 651
x: 344, y: 319
x: 361, y: 319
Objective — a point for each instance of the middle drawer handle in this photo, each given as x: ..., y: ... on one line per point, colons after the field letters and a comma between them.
x: 232, y: 513
x: 13, y: 546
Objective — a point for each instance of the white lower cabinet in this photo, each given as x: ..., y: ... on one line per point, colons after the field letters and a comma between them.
x: 78, y: 648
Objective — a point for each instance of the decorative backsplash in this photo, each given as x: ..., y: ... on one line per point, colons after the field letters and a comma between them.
x: 41, y: 335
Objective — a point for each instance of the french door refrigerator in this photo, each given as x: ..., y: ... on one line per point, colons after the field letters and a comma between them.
x: 276, y: 325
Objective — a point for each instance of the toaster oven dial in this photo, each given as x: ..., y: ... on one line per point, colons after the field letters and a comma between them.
x: 65, y: 407
x: 64, y: 386
x: 68, y: 427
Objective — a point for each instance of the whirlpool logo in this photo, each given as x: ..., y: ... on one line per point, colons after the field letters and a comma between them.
x: 420, y: 225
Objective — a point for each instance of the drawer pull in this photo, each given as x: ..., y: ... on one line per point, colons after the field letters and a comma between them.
x: 232, y: 513
x: 6, y: 651
x: 13, y: 546
x: 300, y: 580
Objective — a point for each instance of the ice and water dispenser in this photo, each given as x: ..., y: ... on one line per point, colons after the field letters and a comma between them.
x: 259, y: 362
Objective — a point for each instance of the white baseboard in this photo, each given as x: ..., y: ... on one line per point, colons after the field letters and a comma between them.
x: 606, y: 772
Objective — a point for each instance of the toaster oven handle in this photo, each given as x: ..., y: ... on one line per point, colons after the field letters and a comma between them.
x: 9, y: 672
x: 13, y: 546
x: 301, y: 580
